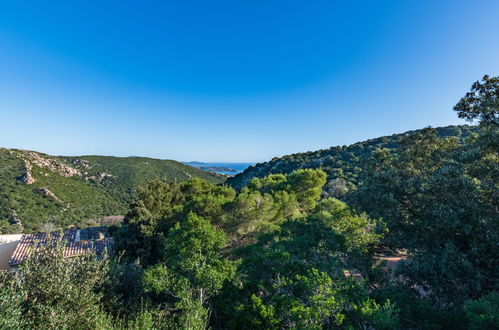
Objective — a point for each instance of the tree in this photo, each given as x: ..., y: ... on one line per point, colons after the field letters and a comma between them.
x: 294, y: 194
x: 481, y: 103
x: 336, y: 188
x: 393, y: 183
x: 298, y: 302
x: 207, y: 202
x: 294, y: 276
x: 247, y: 213
x: 359, y: 232
x: 137, y: 238
x: 439, y: 200
x: 192, y: 270
x: 307, y: 184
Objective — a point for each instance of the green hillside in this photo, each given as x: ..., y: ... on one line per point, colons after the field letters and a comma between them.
x: 37, y: 189
x: 343, y: 164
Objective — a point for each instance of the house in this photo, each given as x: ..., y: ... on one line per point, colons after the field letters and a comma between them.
x: 8, y: 244
x: 77, y: 242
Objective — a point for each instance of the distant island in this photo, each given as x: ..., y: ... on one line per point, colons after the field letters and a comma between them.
x: 217, y: 169
x: 195, y: 163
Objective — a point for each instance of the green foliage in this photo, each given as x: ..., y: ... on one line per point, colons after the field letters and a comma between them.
x: 358, y: 231
x: 11, y: 312
x: 249, y: 211
x: 304, y: 302
x: 484, y: 312
x: 205, y: 200
x: 439, y: 200
x: 292, y: 195
x: 54, y: 292
x: 192, y: 270
x: 294, y: 276
x: 416, y: 312
x: 307, y: 184
x: 482, y: 102
x: 122, y: 290
x: 294, y: 252
x: 260, y: 207
x: 137, y: 235
x: 378, y: 316
x: 158, y: 199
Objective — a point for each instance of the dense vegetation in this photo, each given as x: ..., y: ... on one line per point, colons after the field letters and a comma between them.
x: 280, y: 254
x: 189, y: 249
x: 71, y: 190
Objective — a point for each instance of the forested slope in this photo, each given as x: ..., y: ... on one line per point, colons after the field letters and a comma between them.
x: 344, y: 165
x: 36, y: 189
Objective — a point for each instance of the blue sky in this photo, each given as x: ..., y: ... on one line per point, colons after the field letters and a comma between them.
x: 234, y: 80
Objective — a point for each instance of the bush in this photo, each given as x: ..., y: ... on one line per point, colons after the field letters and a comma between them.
x: 484, y: 312
x: 53, y: 292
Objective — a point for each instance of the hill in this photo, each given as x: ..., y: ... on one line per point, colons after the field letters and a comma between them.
x: 38, y: 189
x: 343, y: 164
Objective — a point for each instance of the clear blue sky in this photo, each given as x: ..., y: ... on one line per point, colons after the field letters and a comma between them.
x: 234, y: 80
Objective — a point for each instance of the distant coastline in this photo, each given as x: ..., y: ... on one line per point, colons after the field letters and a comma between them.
x: 230, y: 169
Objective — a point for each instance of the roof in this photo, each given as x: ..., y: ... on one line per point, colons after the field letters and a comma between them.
x: 74, y: 247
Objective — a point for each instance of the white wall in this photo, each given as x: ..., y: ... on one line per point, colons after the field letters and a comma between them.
x: 8, y: 244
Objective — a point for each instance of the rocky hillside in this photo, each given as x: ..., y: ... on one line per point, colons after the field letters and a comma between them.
x: 37, y: 190
x: 343, y: 164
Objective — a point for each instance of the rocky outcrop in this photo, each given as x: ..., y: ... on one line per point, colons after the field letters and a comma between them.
x: 50, y: 163
x: 47, y: 193
x: 27, y: 177
x: 80, y: 162
x: 15, y: 220
x: 99, y: 177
